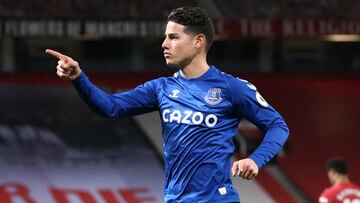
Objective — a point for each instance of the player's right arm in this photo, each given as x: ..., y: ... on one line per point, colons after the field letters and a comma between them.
x: 140, y: 100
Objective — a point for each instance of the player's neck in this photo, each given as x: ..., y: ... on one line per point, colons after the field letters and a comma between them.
x: 342, y: 179
x: 197, y: 67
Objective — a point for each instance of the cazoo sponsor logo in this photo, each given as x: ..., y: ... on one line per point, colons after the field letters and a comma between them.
x: 189, y: 117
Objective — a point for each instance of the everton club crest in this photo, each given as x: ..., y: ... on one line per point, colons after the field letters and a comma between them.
x: 213, y: 96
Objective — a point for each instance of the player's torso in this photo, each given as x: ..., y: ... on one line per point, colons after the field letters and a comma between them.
x: 198, y: 125
x: 348, y: 193
x: 344, y: 193
x: 202, y: 105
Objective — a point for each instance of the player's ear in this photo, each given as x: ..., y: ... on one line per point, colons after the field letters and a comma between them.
x: 199, y: 41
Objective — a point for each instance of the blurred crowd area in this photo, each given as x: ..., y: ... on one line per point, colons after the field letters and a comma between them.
x: 160, y: 8
x: 290, y: 8
x: 306, y: 51
x: 90, y: 8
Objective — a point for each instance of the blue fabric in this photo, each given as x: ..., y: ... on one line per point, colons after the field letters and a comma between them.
x: 199, y: 120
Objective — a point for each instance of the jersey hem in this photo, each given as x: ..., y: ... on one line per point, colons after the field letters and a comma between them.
x: 224, y: 200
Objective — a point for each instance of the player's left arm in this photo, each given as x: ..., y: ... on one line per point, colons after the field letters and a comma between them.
x: 325, y: 196
x: 248, y: 103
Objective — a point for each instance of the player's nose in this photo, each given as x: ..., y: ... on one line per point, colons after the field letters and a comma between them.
x: 165, y: 44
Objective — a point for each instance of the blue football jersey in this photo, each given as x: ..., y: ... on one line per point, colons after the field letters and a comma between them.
x: 199, y: 120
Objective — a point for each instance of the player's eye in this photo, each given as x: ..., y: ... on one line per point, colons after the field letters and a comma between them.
x: 173, y: 36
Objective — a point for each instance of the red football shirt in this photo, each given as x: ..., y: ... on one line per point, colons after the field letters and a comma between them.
x: 341, y: 193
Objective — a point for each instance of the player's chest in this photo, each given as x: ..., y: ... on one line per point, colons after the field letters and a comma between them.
x: 205, y: 98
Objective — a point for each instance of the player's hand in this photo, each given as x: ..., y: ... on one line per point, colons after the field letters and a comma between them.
x: 245, y: 168
x: 67, y: 68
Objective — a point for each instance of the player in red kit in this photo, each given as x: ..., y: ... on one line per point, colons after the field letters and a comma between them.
x: 342, y: 190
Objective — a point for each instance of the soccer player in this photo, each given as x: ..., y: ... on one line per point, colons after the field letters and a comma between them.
x: 200, y: 108
x: 342, y: 189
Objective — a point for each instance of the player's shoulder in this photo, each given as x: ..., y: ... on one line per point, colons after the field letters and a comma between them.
x: 237, y: 83
x: 355, y: 186
x: 156, y: 81
x: 154, y: 84
x: 161, y: 81
x: 222, y: 74
x: 328, y: 195
x: 325, y: 196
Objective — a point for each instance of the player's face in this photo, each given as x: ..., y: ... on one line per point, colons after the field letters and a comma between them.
x: 179, y: 47
x: 331, y: 176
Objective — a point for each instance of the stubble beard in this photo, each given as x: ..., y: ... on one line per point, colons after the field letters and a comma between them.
x: 181, y: 64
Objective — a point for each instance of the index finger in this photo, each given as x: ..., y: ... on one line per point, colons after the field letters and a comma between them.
x: 57, y: 55
x: 234, y: 169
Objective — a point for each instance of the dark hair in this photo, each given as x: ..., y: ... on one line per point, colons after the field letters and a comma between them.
x: 196, y: 21
x: 338, y: 164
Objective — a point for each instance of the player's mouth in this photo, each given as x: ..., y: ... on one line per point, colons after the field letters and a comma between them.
x: 167, y: 54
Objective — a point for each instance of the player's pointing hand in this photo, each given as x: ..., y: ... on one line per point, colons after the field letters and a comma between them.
x: 245, y: 168
x: 67, y: 68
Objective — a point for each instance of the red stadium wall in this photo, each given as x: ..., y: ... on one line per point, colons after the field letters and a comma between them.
x: 322, y: 111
